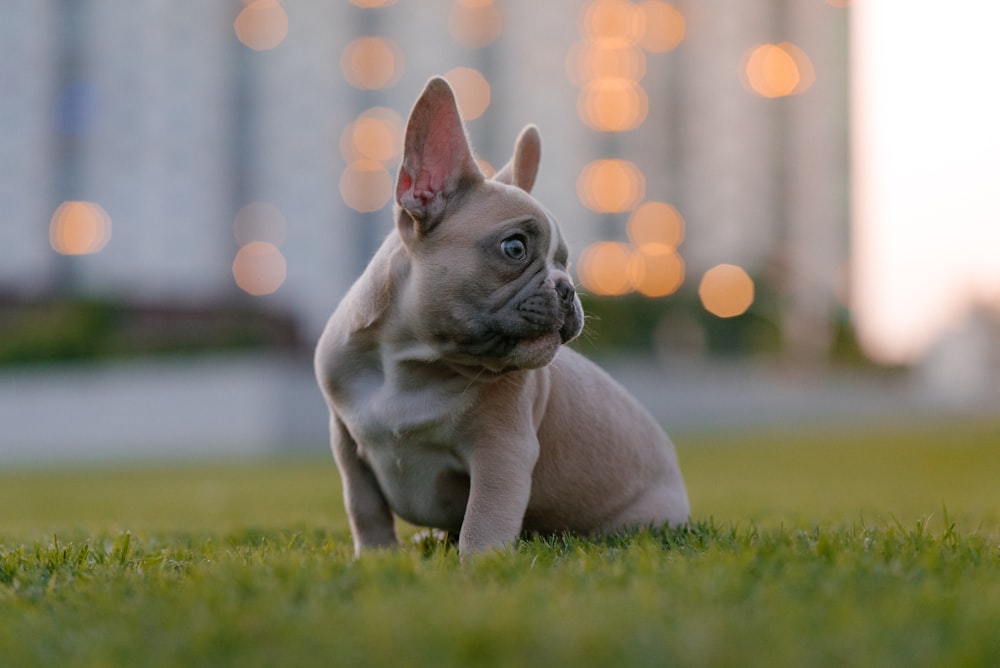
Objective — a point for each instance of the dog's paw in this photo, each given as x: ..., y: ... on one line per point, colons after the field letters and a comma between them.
x: 431, y: 540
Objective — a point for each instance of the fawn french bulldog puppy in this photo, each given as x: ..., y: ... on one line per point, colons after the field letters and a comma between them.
x: 453, y: 403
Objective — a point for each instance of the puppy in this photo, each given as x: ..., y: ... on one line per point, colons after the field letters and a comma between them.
x: 453, y: 403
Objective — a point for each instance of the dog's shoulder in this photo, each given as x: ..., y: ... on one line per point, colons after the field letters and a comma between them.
x: 367, y: 302
x: 352, y: 333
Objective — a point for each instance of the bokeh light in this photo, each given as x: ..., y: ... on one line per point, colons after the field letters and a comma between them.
x: 612, y: 23
x: 586, y: 62
x: 726, y: 291
x: 656, y: 223
x: 608, y: 63
x: 260, y: 221
x: 603, y: 268
x: 79, y: 228
x: 372, y: 4
x: 472, y: 91
x: 475, y: 23
x: 488, y: 170
x: 610, y: 186
x: 377, y: 134
x: 259, y: 268
x: 371, y: 63
x: 613, y: 105
x: 656, y: 270
x: 261, y: 24
x: 665, y: 26
x: 365, y: 185
x: 777, y: 70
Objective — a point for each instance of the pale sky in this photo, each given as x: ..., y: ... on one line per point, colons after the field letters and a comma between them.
x: 926, y: 151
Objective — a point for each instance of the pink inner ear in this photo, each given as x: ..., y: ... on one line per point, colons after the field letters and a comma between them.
x: 436, y: 157
x: 432, y: 175
x: 441, y: 158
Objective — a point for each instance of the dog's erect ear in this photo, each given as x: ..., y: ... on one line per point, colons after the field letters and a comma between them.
x: 437, y: 160
x: 523, y: 167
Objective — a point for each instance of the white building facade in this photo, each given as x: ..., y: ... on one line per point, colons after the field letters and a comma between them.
x: 157, y: 112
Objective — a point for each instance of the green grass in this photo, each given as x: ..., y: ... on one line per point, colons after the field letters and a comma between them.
x: 846, y: 547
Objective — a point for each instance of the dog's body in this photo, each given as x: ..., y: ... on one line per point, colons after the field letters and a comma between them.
x: 453, y: 404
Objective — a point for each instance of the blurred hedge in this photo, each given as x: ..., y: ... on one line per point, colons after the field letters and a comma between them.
x: 678, y: 324
x: 77, y: 329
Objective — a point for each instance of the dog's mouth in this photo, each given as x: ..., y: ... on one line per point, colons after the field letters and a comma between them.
x: 542, y: 347
x: 501, y: 343
x: 500, y: 354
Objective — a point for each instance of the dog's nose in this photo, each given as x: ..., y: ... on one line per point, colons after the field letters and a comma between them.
x: 565, y: 291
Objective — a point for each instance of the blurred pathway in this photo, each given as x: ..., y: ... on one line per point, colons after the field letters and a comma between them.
x: 246, y: 405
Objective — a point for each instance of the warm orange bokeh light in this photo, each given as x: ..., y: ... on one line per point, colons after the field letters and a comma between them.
x: 475, y: 23
x: 771, y: 71
x: 610, y: 186
x: 79, y: 228
x: 656, y: 270
x: 603, y: 268
x: 777, y: 70
x: 665, y: 26
x: 586, y: 62
x: 374, y: 139
x: 261, y: 24
x: 726, y: 291
x: 365, y: 185
x: 377, y: 134
x: 472, y: 91
x: 259, y: 268
x: 372, y: 4
x: 371, y: 63
x: 488, y: 170
x: 613, y: 105
x: 656, y: 223
x: 612, y: 23
x: 260, y: 221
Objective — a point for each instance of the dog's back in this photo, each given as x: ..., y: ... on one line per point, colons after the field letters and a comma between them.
x: 593, y: 475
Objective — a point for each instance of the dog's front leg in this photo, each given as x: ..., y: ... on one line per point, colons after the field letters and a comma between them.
x: 367, y: 509
x: 499, y: 490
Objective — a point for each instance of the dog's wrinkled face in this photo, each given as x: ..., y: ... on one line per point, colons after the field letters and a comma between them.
x: 493, y: 283
x: 489, y: 280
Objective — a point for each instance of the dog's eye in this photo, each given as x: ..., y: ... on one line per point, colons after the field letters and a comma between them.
x: 514, y: 248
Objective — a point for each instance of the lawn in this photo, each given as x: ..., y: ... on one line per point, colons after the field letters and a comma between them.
x: 865, y: 546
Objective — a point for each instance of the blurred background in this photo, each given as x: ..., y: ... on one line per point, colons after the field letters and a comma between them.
x: 779, y: 211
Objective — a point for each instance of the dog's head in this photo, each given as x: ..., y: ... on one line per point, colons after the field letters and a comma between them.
x: 488, y: 283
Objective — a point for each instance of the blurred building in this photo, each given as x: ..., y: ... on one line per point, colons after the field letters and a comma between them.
x: 245, y: 150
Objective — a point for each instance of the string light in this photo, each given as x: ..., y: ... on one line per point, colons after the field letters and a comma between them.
x: 610, y: 186
x: 79, y: 228
x: 656, y: 270
x: 260, y: 221
x: 372, y: 4
x: 656, y: 223
x: 261, y: 24
x: 366, y: 185
x: 665, y: 26
x: 259, y: 268
x: 377, y: 134
x: 472, y: 91
x: 371, y: 63
x: 603, y: 268
x: 777, y: 70
x: 726, y: 291
x: 475, y: 23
